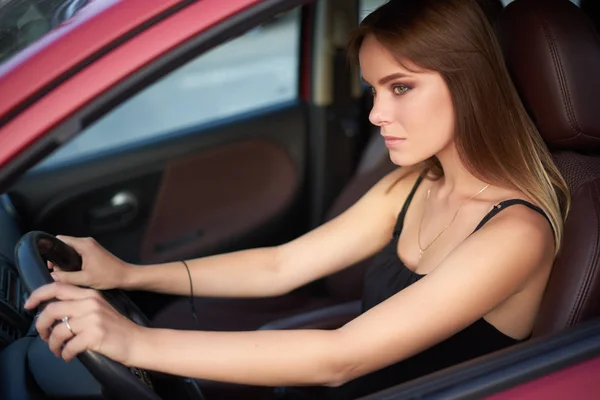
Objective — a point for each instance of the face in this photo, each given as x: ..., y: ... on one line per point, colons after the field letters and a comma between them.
x: 413, y: 109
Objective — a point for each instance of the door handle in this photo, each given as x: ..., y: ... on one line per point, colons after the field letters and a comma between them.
x: 121, y: 210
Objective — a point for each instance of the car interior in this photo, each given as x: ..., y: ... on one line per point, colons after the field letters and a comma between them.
x: 263, y: 177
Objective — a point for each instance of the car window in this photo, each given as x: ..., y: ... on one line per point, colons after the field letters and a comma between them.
x: 22, y: 22
x: 255, y: 71
x: 506, y: 2
x: 368, y: 6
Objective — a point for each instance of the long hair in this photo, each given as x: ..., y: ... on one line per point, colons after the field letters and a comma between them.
x: 495, y: 138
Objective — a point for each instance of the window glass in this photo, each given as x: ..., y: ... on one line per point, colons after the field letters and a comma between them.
x: 368, y: 6
x: 256, y: 70
x: 22, y: 22
x: 506, y: 2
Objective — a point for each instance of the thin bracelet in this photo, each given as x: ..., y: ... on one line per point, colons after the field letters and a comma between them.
x: 191, y: 293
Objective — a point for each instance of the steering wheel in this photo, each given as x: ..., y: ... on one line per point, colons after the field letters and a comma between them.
x: 32, y: 252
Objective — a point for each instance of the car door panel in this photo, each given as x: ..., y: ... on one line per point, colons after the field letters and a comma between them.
x: 196, y: 193
x: 126, y: 196
x: 218, y: 195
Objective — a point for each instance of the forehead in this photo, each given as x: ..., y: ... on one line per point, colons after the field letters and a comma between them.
x: 375, y: 59
x: 373, y: 53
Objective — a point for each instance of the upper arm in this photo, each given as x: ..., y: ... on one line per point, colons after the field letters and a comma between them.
x: 356, y: 234
x: 486, y: 269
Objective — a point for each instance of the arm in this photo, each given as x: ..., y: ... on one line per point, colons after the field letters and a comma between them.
x: 353, y: 236
x: 488, y: 268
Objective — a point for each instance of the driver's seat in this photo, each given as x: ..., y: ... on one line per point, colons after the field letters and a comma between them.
x: 553, y: 53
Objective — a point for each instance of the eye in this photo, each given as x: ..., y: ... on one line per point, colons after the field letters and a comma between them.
x: 372, y: 89
x: 400, y: 89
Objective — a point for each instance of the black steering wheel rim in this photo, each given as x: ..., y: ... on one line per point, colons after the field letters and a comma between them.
x: 32, y: 266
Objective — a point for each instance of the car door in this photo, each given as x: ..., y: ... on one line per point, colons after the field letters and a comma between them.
x: 564, y: 365
x: 178, y: 150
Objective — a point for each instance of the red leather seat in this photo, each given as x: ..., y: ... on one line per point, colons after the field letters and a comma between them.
x: 553, y: 53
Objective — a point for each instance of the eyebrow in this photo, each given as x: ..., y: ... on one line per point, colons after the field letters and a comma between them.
x: 389, y: 78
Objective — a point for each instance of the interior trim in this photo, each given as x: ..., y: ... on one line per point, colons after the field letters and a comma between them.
x: 266, y: 182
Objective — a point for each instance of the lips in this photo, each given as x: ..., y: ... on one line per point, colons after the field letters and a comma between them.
x: 386, y: 138
x: 392, y: 141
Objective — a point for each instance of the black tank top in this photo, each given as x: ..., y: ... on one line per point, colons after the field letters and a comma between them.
x: 386, y: 276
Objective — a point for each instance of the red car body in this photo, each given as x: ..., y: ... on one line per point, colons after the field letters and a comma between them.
x: 119, y: 36
x: 108, y: 41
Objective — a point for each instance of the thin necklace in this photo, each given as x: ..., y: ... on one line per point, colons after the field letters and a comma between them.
x: 423, y: 250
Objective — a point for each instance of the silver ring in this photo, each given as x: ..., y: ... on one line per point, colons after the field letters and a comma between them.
x: 65, y: 321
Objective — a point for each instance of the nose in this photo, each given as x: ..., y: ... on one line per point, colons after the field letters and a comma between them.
x: 378, y: 115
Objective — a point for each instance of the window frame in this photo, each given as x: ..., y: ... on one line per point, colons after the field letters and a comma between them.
x: 32, y: 147
x: 204, y: 122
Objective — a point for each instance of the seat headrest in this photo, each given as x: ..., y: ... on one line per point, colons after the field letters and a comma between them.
x: 553, y: 54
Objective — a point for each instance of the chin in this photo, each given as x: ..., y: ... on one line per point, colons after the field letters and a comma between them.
x: 404, y: 160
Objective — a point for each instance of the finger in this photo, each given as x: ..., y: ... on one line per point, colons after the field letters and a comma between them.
x: 59, y: 336
x: 77, y: 278
x: 55, y: 269
x: 59, y: 291
x: 56, y: 311
x: 78, y: 344
x: 55, y: 277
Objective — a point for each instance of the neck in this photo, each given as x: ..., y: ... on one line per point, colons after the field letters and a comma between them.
x: 457, y: 181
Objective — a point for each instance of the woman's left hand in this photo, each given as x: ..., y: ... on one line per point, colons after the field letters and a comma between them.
x: 94, y: 323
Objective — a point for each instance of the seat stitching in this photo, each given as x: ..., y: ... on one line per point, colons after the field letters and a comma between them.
x: 590, y: 271
x: 566, y: 97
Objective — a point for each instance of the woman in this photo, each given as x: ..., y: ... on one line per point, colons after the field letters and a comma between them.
x: 475, y: 216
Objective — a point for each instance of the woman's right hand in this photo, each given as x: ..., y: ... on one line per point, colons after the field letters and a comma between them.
x: 99, y: 270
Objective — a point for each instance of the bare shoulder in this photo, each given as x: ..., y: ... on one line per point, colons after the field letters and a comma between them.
x: 519, y: 235
x: 522, y: 220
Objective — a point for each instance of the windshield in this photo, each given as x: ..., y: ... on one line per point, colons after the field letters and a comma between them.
x: 22, y: 22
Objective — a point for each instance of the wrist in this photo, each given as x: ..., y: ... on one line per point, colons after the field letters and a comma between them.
x: 131, y: 278
x: 139, y: 347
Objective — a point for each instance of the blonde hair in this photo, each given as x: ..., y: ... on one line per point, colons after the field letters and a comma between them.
x: 495, y: 138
